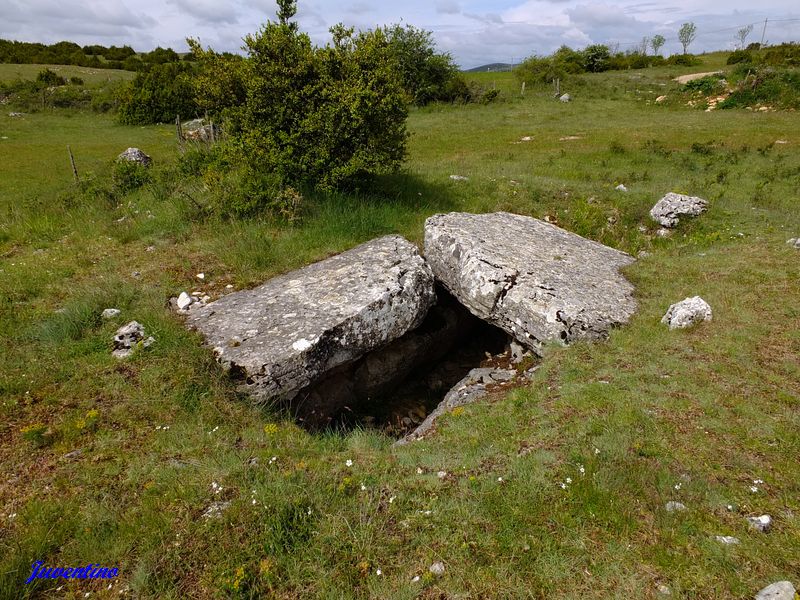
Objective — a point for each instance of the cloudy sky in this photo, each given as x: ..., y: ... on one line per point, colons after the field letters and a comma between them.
x: 474, y: 31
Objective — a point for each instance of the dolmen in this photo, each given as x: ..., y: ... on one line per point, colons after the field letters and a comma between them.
x: 357, y: 315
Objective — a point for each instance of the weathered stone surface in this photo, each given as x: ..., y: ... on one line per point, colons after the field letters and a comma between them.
x: 287, y: 333
x: 673, y: 506
x: 532, y: 279
x: 565, y: 98
x: 137, y: 156
x: 687, y: 312
x: 727, y: 540
x: 200, y: 130
x: 781, y: 590
x: 672, y: 207
x: 794, y: 243
x: 110, y: 313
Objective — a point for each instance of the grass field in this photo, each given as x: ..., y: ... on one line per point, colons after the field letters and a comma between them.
x: 128, y: 455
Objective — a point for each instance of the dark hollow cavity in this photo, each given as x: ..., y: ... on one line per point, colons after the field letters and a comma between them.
x: 393, y: 388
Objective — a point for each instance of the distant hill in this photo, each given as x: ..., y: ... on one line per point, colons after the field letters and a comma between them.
x: 492, y: 67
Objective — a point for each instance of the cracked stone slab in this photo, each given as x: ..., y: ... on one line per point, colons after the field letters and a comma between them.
x: 532, y: 279
x: 287, y: 333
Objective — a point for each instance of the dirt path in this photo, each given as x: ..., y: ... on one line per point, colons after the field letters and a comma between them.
x: 684, y: 79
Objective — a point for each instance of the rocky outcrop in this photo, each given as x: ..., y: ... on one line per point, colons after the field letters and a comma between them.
x: 128, y: 338
x: 672, y: 207
x: 136, y: 156
x: 286, y: 334
x: 532, y: 279
x: 687, y: 312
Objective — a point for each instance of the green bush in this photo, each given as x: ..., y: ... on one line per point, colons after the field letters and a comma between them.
x: 779, y: 88
x: 321, y: 117
x: 158, y: 95
x: 129, y: 175
x: 707, y: 85
x: 683, y: 60
x: 50, y: 78
x: 739, y: 56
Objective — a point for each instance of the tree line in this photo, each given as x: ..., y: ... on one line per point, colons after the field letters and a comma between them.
x: 93, y: 56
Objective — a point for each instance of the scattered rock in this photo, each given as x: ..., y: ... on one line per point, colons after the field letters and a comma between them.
x: 526, y: 138
x: 201, y: 276
x: 673, y: 506
x: 621, y: 187
x: 781, y: 590
x: 727, y: 540
x: 459, y: 178
x: 295, y: 328
x: 128, y: 337
x: 663, y: 232
x: 794, y: 243
x: 185, y: 301
x: 199, y: 130
x: 569, y: 138
x: 110, y: 313
x: 565, y: 98
x: 663, y: 590
x: 437, y: 569
x: 661, y: 99
x: 671, y: 207
x: 215, y: 509
x: 687, y: 312
x: 762, y: 523
x: 16, y: 115
x: 137, y: 156
x: 535, y: 281
x: 518, y: 352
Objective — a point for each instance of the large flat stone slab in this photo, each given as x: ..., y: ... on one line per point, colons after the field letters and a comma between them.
x: 287, y: 333
x: 534, y: 280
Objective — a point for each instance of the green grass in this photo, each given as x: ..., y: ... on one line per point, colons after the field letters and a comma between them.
x: 708, y: 410
x: 92, y: 77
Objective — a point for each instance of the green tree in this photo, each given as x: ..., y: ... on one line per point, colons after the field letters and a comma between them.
x: 319, y: 116
x: 158, y: 95
x: 686, y: 35
x: 657, y: 42
x: 596, y: 58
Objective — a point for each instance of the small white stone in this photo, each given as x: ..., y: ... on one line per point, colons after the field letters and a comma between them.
x: 437, y: 568
x: 687, y: 312
x: 621, y: 187
x: 201, y: 275
x: 441, y: 474
x: 664, y: 590
x: 673, y: 506
x: 184, y: 301
x: 728, y: 540
x: 110, y: 313
x: 762, y: 523
x: 458, y: 178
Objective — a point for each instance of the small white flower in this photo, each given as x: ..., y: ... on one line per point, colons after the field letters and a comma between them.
x: 563, y: 485
x: 500, y: 480
x: 441, y: 474
x: 378, y: 572
x: 363, y: 488
x: 596, y: 451
x: 254, y: 501
x: 730, y: 507
x: 758, y: 481
x: 273, y: 459
x: 348, y: 463
x: 754, y: 489
x: 12, y: 516
x: 581, y: 469
x: 392, y: 499
x: 419, y: 470
x: 569, y: 480
x: 427, y: 513
x: 415, y: 579
x: 308, y: 512
x: 678, y: 486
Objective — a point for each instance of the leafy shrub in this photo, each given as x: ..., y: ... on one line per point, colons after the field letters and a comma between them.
x: 786, y: 55
x: 596, y: 58
x: 320, y: 116
x: 50, y: 78
x: 158, y: 95
x: 707, y: 85
x: 774, y: 87
x: 683, y: 60
x: 739, y: 56
x: 129, y: 175
x: 76, y: 80
x: 427, y: 76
